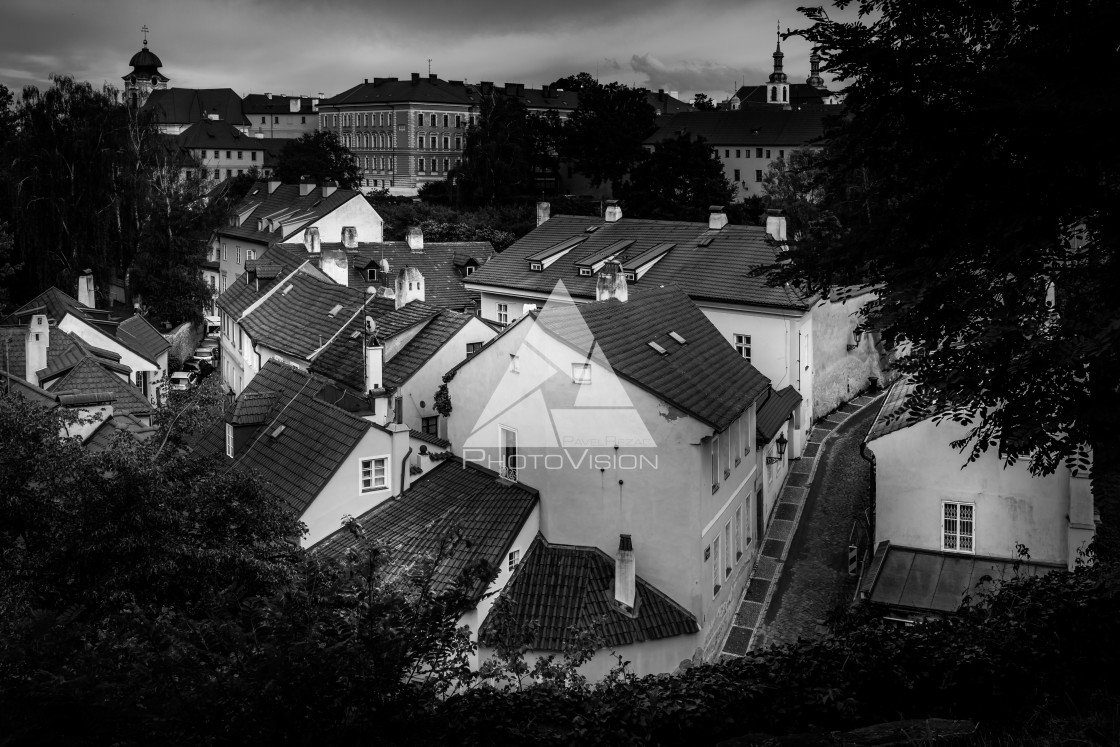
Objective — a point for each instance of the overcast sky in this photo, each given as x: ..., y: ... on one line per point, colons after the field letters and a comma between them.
x: 312, y: 46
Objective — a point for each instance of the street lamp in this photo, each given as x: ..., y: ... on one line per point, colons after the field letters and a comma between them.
x: 781, y: 444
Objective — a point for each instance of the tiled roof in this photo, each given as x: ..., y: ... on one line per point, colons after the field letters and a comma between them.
x: 704, y: 376
x: 893, y: 415
x: 185, y: 105
x: 13, y: 351
x: 559, y: 587
x: 138, y: 333
x: 286, y: 207
x: 716, y: 272
x: 420, y: 88
x: 800, y: 94
x: 66, y: 351
x: 750, y: 126
x: 278, y: 103
x: 88, y: 375
x: 395, y: 321
x: 209, y: 133
x: 774, y: 410
x: 661, y: 101
x: 443, y: 265
x: 102, y: 439
x: 299, y: 322
x: 423, y: 346
x: 56, y: 302
x: 430, y: 438
x: 317, y: 435
x: 252, y: 408
x: 241, y: 294
x: 343, y: 359
x: 458, y: 502
x: 16, y: 385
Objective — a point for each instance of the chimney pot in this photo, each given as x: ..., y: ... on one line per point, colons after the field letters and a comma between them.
x: 625, y: 573
x: 329, y: 188
x: 273, y: 184
x: 409, y: 286
x: 415, y: 79
x: 306, y: 188
x: 415, y: 239
x: 334, y: 264
x: 35, y: 352
x: 86, y: 290
x: 311, y: 240
x: 543, y: 212
x: 350, y: 237
x: 776, y: 224
x: 611, y: 283
x: 613, y: 212
x: 717, y: 219
x: 375, y: 359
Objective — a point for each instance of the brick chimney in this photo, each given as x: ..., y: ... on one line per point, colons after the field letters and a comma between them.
x: 625, y: 573
x: 86, y: 289
x: 350, y: 237
x: 544, y: 211
x: 717, y: 219
x: 335, y: 264
x: 613, y: 213
x: 611, y: 283
x: 776, y: 224
x: 35, y: 352
x: 415, y: 239
x: 311, y: 239
x: 409, y: 286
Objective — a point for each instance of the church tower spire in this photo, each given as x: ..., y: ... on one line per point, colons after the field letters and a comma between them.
x: 815, y: 79
x: 777, y: 90
x: 145, y: 76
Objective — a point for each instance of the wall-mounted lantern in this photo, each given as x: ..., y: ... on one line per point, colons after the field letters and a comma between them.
x: 781, y: 444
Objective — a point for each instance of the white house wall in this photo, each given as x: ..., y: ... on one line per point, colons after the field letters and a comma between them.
x: 356, y: 212
x: 839, y: 373
x: 916, y: 469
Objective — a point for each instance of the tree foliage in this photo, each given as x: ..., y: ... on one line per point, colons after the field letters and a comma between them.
x: 319, y: 156
x: 996, y: 256
x: 702, y: 102
x: 603, y: 137
x: 678, y: 181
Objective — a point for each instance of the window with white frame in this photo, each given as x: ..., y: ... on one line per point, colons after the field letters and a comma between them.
x: 238, y: 255
x: 738, y: 532
x: 958, y: 528
x: 507, y: 446
x: 374, y: 474
x: 715, y: 462
x: 503, y: 313
x: 229, y: 440
x: 743, y: 346
x: 581, y: 373
x: 512, y: 559
x: 728, y: 561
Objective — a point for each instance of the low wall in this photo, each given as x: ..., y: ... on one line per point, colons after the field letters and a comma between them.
x: 841, y: 374
x: 184, y: 339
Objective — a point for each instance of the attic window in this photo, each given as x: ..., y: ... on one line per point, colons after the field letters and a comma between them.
x: 585, y: 271
x: 658, y: 348
x: 255, y: 191
x: 470, y: 269
x: 276, y: 433
x: 334, y: 310
x: 678, y: 338
x: 371, y: 274
x: 704, y: 240
x: 630, y: 276
x: 287, y: 290
x: 355, y: 334
x: 534, y: 266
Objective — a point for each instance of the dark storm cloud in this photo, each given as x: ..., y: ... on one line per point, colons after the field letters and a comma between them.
x: 692, y: 75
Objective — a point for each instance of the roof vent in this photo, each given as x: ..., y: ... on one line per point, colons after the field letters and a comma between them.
x: 334, y: 310
x: 678, y: 338
x: 287, y: 290
x: 658, y: 348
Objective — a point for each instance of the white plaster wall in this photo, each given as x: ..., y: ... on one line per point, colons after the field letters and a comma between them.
x: 342, y: 495
x: 424, y: 383
x: 356, y: 212
x: 916, y: 469
x: 97, y: 338
x: 489, y: 303
x: 840, y: 374
x: 649, y: 657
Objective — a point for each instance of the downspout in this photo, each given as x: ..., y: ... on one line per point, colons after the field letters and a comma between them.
x: 404, y: 466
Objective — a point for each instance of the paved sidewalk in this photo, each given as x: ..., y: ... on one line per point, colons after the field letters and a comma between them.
x: 748, y: 630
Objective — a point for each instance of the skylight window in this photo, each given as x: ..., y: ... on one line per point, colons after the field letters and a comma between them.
x: 658, y: 348
x: 334, y: 310
x: 276, y: 433
x: 592, y: 229
x: 255, y: 191
x: 287, y: 290
x: 355, y: 334
x: 704, y: 240
x: 678, y: 338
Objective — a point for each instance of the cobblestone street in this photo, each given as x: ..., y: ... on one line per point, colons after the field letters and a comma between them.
x: 794, y: 588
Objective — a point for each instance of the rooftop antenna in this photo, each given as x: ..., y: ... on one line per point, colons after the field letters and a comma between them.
x: 144, y: 28
x: 429, y: 66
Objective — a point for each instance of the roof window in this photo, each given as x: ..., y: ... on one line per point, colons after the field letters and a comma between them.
x: 276, y: 433
x: 592, y: 229
x: 355, y: 334
x: 287, y: 290
x: 334, y: 310
x: 585, y: 271
x: 658, y: 348
x: 678, y: 338
x: 704, y: 240
x: 534, y: 266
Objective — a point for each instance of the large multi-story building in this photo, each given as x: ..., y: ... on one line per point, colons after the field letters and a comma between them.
x: 280, y: 115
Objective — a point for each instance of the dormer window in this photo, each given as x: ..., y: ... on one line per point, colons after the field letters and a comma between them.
x: 534, y: 266
x: 470, y: 269
x: 371, y: 274
x: 585, y: 271
x: 630, y: 276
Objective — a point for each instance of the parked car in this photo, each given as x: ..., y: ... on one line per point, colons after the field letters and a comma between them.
x: 204, y: 354
x: 182, y: 381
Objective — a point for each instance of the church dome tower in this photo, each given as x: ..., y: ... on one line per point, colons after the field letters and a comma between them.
x: 815, y: 79
x: 145, y: 76
x: 777, y: 90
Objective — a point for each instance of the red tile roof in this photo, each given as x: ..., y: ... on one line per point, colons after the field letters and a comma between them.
x: 719, y: 271
x: 457, y: 506
x: 705, y: 376
x: 556, y: 588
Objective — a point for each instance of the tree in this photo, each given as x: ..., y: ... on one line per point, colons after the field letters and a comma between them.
x: 678, y: 181
x: 603, y: 137
x: 701, y: 102
x: 996, y: 256
x: 505, y: 152
x: 795, y: 185
x: 578, y: 82
x: 320, y: 156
